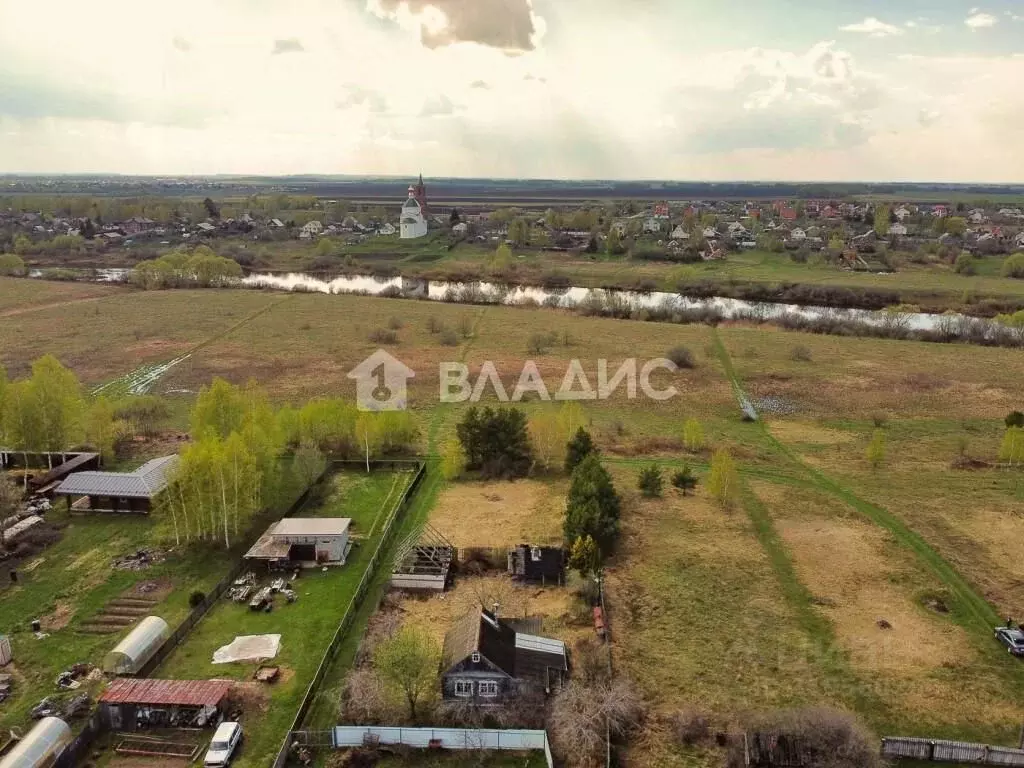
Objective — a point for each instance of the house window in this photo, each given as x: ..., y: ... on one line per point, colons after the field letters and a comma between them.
x: 487, y: 688
x: 475, y: 658
x: 463, y: 687
x: 535, y: 554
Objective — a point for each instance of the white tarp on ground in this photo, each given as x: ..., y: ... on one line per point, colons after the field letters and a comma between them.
x: 248, y: 648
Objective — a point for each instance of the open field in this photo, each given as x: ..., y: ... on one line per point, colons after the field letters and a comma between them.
x: 20, y: 296
x: 306, y: 626
x: 70, y: 582
x: 773, y: 603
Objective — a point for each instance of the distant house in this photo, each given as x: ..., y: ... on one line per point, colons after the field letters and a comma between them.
x: 710, y: 233
x: 940, y: 211
x: 977, y: 216
x: 276, y: 223
x: 679, y: 233
x: 538, y: 565
x: 653, y: 224
x: 736, y: 229
x: 461, y: 228
x: 387, y: 229
x: 788, y: 214
x: 1018, y: 241
x: 901, y: 213
x: 205, y: 227
x: 798, y: 234
x: 311, y: 229
x: 830, y: 212
x: 137, y: 225
x: 898, y: 230
x: 487, y: 661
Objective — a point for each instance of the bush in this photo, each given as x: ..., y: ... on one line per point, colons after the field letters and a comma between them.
x: 684, y: 479
x: 801, y: 354
x: 965, y: 264
x: 11, y: 264
x: 691, y: 728
x: 434, y: 325
x: 196, y: 599
x: 1014, y: 419
x: 395, y: 323
x: 582, y: 710
x: 449, y: 338
x: 1013, y: 266
x: 681, y: 356
x: 383, y: 336
x: 540, y: 343
x: 825, y: 738
x: 650, y: 481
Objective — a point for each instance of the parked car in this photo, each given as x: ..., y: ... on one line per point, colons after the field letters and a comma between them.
x: 225, y: 741
x: 1013, y: 639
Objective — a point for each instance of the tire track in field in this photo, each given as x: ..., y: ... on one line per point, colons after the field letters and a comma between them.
x: 981, y: 614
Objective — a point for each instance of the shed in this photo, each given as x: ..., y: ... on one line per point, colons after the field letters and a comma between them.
x: 118, y: 491
x: 303, y: 541
x: 542, y: 565
x: 128, y: 704
x: 138, y: 647
x: 41, y: 746
x: 424, y: 562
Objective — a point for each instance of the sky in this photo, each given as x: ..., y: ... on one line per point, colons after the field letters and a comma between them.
x: 801, y: 90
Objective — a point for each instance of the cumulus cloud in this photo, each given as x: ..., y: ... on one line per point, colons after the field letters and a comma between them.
x: 874, y: 27
x: 979, y: 20
x: 508, y: 25
x: 359, y: 96
x: 480, y: 84
x: 437, y: 106
x: 181, y: 44
x: 289, y: 45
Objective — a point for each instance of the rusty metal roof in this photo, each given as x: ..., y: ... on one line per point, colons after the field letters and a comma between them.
x: 181, y: 693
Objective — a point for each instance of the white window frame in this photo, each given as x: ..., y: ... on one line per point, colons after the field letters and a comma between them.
x: 535, y: 554
x: 487, y: 688
x: 461, y: 687
x: 475, y: 658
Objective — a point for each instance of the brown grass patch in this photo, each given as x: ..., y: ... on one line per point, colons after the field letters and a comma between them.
x: 803, y: 432
x: 500, y: 514
x: 59, y: 617
x: 435, y: 614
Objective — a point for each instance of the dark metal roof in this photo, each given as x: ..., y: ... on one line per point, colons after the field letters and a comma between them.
x: 181, y: 693
x: 480, y: 632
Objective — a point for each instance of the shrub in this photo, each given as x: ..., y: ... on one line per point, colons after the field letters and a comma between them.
x: 582, y: 711
x: 196, y: 599
x: 466, y: 326
x: 540, y: 343
x: 684, y: 479
x: 825, y: 738
x: 383, y: 336
x: 691, y: 728
x: 1014, y: 419
x: 1013, y: 266
x: 434, y: 325
x: 681, y: 356
x: 965, y: 264
x: 11, y: 264
x: 650, y: 481
x: 449, y: 338
x: 395, y: 323
x: 801, y: 354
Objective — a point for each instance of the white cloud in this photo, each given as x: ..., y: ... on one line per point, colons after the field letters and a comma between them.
x: 874, y: 27
x: 978, y: 20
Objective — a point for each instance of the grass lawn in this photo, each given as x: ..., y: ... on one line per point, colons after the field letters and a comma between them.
x: 18, y: 295
x: 70, y: 582
x: 306, y: 626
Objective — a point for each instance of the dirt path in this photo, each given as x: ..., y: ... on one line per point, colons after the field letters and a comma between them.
x: 51, y: 305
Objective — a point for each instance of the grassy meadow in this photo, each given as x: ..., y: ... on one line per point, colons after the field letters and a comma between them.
x: 873, y: 589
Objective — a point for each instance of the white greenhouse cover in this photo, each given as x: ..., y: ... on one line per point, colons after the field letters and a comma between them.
x: 248, y: 648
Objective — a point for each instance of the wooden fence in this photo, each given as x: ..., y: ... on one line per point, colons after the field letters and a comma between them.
x: 357, y: 597
x: 942, y: 751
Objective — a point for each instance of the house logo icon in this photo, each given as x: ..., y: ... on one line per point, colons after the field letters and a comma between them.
x: 381, y: 382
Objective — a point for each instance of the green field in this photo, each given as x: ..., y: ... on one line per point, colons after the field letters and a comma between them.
x: 306, y: 626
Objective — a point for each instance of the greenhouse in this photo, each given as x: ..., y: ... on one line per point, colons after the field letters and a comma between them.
x: 132, y: 653
x: 41, y: 746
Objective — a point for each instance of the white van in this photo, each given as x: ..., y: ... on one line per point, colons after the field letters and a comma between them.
x: 225, y: 741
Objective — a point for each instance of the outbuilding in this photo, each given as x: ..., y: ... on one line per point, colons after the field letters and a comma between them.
x: 118, y: 491
x: 128, y: 704
x: 131, y: 654
x: 537, y: 565
x: 305, y: 542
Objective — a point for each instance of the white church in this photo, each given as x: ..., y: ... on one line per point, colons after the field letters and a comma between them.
x: 414, y: 212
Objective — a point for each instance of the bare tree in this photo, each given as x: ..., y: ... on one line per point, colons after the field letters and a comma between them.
x: 585, y: 711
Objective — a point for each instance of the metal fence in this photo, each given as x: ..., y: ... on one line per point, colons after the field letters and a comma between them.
x: 357, y: 597
x: 439, y: 738
x: 942, y: 751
